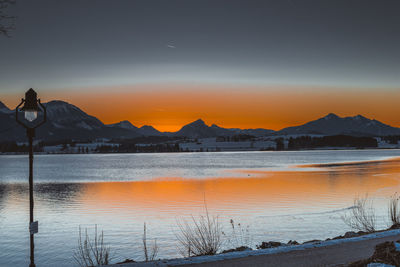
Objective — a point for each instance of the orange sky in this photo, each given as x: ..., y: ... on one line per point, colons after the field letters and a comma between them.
x: 169, y: 107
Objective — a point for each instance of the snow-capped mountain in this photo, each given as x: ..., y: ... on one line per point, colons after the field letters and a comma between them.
x: 197, y: 129
x: 334, y: 125
x: 219, y: 131
x: 147, y: 130
x: 4, y: 108
x: 253, y: 132
x: 66, y: 121
x: 9, y: 129
x: 124, y: 125
x: 64, y: 115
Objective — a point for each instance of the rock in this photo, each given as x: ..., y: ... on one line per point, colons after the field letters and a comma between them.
x: 384, y: 253
x: 292, y: 242
x: 270, y: 244
x: 242, y: 248
x: 363, y: 233
x: 395, y: 226
x: 126, y: 261
x: 350, y: 235
x: 312, y: 241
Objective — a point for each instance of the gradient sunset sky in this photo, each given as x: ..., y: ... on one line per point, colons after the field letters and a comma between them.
x: 246, y: 64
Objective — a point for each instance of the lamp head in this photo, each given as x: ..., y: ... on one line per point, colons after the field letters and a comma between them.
x: 31, y: 107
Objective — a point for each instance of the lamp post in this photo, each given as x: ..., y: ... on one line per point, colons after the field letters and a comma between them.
x: 31, y: 108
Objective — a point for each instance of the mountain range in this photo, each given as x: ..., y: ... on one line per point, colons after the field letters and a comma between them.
x: 66, y: 121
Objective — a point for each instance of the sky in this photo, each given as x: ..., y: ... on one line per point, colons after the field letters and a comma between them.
x: 246, y: 64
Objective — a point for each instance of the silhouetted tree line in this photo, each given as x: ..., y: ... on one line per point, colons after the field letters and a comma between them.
x: 392, y: 139
x: 13, y: 147
x: 70, y: 142
x: 280, y: 145
x: 143, y: 144
x: 148, y: 140
x: 331, y: 141
x: 236, y: 138
x: 134, y: 148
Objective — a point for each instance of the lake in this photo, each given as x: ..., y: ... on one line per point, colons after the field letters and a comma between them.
x: 278, y: 196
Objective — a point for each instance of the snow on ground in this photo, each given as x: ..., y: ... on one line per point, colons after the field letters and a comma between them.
x: 375, y: 264
x: 241, y: 254
x: 384, y: 144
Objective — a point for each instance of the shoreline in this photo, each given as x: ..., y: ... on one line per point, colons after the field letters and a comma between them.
x: 304, y: 251
x: 203, y: 152
x: 351, y: 163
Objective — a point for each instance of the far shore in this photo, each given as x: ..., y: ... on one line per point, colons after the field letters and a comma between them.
x: 223, y: 151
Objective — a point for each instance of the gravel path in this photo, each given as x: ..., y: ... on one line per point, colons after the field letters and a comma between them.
x: 334, y: 255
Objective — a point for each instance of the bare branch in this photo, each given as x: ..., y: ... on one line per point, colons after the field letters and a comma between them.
x: 394, y: 210
x: 362, y: 216
x: 92, y: 252
x: 6, y: 21
x: 154, y: 248
x: 201, y: 236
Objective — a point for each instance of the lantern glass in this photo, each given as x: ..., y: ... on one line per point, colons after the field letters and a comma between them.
x: 30, y: 115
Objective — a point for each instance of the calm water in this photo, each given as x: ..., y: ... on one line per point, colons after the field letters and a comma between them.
x: 264, y: 191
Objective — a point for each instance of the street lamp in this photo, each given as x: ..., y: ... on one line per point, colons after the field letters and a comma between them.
x: 31, y: 109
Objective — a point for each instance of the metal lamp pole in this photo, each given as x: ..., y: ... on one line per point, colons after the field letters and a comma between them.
x: 31, y: 108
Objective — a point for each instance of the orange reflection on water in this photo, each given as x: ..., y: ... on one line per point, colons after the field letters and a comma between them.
x: 261, y: 190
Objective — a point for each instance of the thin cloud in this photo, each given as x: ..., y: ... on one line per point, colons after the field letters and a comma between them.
x: 171, y: 46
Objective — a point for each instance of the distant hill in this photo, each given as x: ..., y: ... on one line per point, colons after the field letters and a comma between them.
x: 124, y: 125
x: 66, y: 121
x: 254, y: 132
x: 198, y: 129
x: 335, y: 125
x: 145, y: 130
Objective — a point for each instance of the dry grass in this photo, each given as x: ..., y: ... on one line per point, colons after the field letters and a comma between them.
x: 201, y: 235
x: 362, y: 216
x: 92, y: 252
x: 394, y: 210
x: 239, y: 235
x: 152, y: 254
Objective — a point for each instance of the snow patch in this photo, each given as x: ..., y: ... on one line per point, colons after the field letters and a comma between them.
x: 376, y: 264
x: 5, y: 110
x: 397, y: 245
x: 84, y: 125
x: 57, y: 125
